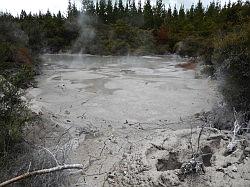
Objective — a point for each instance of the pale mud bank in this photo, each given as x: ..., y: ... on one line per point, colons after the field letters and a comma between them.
x: 127, y: 120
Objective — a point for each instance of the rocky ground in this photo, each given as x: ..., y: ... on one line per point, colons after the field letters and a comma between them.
x: 149, y: 154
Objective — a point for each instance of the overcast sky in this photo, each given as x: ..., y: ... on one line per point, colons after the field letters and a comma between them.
x: 15, y: 6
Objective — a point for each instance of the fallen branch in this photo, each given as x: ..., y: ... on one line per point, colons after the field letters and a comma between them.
x: 232, y: 144
x: 41, y: 172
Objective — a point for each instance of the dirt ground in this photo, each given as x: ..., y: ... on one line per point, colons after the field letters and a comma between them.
x: 128, y: 120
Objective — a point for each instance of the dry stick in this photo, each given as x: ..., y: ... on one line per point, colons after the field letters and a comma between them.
x: 231, y: 145
x: 50, y: 154
x: 29, y: 168
x: 198, y: 147
x: 41, y: 172
x: 191, y: 139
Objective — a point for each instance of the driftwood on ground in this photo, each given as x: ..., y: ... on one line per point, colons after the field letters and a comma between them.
x: 41, y: 172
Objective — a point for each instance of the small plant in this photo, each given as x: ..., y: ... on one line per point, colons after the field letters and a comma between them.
x: 195, y: 164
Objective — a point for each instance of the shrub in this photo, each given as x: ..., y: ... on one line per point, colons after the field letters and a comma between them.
x: 232, y: 61
x: 190, y: 46
x: 13, y: 111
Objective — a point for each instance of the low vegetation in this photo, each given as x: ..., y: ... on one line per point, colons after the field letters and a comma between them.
x: 16, y: 73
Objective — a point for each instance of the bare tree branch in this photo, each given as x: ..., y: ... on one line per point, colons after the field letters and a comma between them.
x: 41, y: 172
x: 29, y: 168
x: 50, y: 154
x: 191, y: 139
x: 232, y: 144
x: 199, y: 138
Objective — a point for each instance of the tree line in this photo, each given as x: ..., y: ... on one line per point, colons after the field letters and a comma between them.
x: 115, y: 24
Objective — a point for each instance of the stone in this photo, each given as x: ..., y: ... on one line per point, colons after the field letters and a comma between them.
x: 234, y: 169
x: 247, y: 151
x: 226, y: 164
x: 170, y: 179
x: 220, y: 169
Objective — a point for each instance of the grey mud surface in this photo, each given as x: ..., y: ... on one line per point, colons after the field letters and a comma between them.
x: 124, y: 118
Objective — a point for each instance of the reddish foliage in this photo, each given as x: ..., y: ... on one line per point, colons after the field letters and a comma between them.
x: 162, y: 35
x: 191, y: 64
x: 22, y: 56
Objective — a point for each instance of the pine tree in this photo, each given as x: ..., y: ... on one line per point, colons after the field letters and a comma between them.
x: 102, y: 10
x: 191, y: 13
x: 159, y: 11
x: 109, y: 11
x: 169, y: 13
x: 148, y: 15
x: 175, y: 13
x: 182, y: 13
x: 139, y: 8
x: 72, y: 11
x: 133, y: 9
x: 127, y: 11
x: 120, y: 10
x: 23, y: 14
x: 69, y: 10
x: 115, y: 11
x: 97, y: 9
x: 88, y: 7
x: 59, y: 15
x: 199, y: 10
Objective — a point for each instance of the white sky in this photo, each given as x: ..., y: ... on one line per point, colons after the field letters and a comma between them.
x: 15, y: 6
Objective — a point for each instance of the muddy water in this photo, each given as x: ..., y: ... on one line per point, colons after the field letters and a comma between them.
x: 144, y: 89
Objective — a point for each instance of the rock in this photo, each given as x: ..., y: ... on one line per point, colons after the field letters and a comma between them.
x: 226, y: 164
x: 220, y: 169
x: 111, y: 180
x: 125, y: 155
x: 67, y: 112
x: 247, y: 151
x: 54, y: 116
x: 170, y: 179
x: 111, y: 176
x: 234, y: 169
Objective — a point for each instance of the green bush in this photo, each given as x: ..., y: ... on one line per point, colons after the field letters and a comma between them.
x: 191, y: 46
x: 6, y: 52
x: 232, y: 61
x: 13, y: 111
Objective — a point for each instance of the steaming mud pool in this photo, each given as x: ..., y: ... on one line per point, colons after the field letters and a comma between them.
x: 128, y: 119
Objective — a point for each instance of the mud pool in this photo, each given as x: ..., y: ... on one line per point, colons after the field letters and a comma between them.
x: 144, y: 89
x: 111, y: 111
